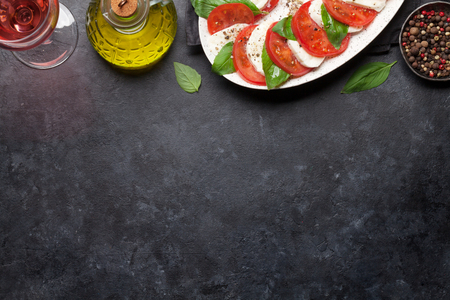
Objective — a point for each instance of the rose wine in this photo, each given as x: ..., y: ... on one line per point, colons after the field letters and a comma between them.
x: 20, y: 18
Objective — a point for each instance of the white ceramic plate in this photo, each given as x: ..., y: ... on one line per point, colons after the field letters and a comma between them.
x: 357, y: 43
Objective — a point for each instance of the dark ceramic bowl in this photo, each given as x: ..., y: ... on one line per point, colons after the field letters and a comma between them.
x: 436, y: 6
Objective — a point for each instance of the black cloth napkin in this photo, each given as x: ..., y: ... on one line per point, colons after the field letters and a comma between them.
x: 389, y: 36
x: 192, y: 35
x: 381, y: 44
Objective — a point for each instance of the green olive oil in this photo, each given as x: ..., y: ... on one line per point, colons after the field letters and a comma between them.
x: 130, y: 44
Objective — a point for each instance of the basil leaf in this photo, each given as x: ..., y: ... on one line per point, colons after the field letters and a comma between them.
x: 367, y: 77
x: 188, y: 79
x: 223, y: 63
x: 274, y: 75
x: 204, y: 7
x: 336, y: 31
x: 284, y: 29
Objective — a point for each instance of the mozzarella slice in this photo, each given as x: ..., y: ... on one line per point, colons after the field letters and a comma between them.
x: 315, y: 11
x: 377, y: 5
x: 304, y: 57
x: 255, y: 46
x: 223, y: 37
x: 260, y: 3
x: 354, y: 29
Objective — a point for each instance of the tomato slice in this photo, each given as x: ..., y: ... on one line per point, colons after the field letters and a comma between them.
x: 312, y: 37
x: 241, y: 62
x: 349, y: 14
x: 270, y: 5
x: 279, y: 52
x: 225, y: 15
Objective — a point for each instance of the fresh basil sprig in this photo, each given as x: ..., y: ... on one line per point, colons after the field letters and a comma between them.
x: 223, y: 63
x: 284, y: 29
x: 367, y: 77
x: 336, y: 31
x: 274, y: 75
x: 204, y: 7
x: 188, y: 79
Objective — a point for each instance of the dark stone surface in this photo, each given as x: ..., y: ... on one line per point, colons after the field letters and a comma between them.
x: 126, y: 187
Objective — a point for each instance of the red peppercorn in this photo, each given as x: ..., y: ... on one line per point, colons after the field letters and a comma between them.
x: 409, y: 33
x: 432, y: 12
x: 424, y: 12
x: 404, y: 44
x: 448, y: 20
x: 422, y: 55
x: 421, y: 24
x: 429, y: 17
x: 442, y: 61
x: 431, y: 74
x: 441, y: 29
x: 441, y: 67
x: 441, y: 14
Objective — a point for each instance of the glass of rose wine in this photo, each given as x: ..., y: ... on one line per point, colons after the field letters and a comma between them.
x: 40, y: 33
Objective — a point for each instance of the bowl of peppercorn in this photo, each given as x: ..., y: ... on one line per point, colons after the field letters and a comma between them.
x: 425, y: 41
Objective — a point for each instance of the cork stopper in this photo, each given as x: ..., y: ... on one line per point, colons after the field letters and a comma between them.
x: 124, y: 8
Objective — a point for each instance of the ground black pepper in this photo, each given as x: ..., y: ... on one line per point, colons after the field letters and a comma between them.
x: 426, y: 42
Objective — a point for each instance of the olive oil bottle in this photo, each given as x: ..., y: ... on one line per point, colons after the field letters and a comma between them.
x: 131, y: 34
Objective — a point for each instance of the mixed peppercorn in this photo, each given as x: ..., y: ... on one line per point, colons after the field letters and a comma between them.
x: 426, y: 40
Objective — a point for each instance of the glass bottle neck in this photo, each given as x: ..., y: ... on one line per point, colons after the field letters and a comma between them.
x: 163, y: 2
x: 127, y: 25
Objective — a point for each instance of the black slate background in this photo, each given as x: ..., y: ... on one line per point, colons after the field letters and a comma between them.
x: 126, y: 187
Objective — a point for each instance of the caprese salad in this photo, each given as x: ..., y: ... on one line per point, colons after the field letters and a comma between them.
x: 268, y: 51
